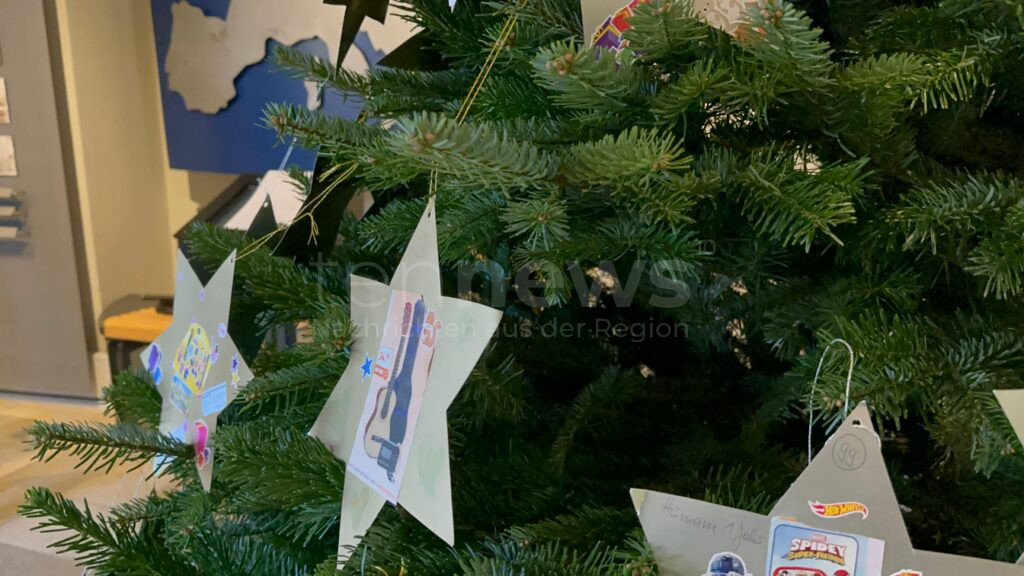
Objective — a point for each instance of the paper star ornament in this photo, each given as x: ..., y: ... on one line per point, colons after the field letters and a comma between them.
x: 1012, y: 402
x: 195, y: 363
x: 391, y: 428
x: 843, y: 496
x: 604, y: 21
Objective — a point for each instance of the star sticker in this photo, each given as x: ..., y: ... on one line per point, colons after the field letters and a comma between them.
x: 367, y: 366
x: 425, y: 347
x: 195, y: 359
x: 846, y: 489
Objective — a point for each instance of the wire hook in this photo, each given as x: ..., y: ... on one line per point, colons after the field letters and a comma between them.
x: 814, y: 387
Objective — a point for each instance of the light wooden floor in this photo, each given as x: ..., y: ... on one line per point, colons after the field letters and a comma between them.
x: 20, y: 547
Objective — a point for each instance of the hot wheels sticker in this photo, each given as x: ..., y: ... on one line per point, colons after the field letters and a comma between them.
x: 838, y: 510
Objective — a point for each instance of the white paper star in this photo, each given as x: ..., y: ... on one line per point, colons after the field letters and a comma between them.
x: 1012, y: 402
x: 846, y: 489
x: 435, y: 358
x: 195, y: 363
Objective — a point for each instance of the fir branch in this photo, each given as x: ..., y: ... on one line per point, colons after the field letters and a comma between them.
x: 272, y: 468
x: 643, y: 167
x: 103, y: 446
x: 492, y: 394
x: 472, y: 155
x: 581, y: 527
x: 608, y: 392
x: 509, y: 557
x: 105, y: 545
x: 738, y: 488
x: 314, y: 129
x: 668, y: 31
x: 133, y: 399
x: 793, y: 206
x: 291, y: 386
x: 592, y: 80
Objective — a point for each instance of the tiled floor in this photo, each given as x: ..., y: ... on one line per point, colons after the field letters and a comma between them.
x: 23, y: 551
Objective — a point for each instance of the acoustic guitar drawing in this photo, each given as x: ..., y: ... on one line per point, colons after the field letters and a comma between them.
x: 378, y: 427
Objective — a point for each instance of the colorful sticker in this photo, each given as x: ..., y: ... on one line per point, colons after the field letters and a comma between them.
x: 908, y: 573
x: 726, y: 564
x: 154, y: 357
x: 222, y: 330
x: 800, y: 550
x: 158, y: 375
x: 201, y: 437
x: 191, y: 364
x: 838, y: 510
x: 214, y: 399
x: 609, y: 34
x: 367, y: 367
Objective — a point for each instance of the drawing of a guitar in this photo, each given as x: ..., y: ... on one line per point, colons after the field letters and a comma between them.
x: 379, y: 425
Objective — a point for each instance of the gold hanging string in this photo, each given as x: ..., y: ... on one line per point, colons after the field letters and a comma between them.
x: 481, y: 78
x: 485, y: 70
x: 307, y: 210
x: 460, y: 117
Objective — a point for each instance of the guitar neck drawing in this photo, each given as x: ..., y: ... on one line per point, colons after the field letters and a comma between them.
x: 406, y: 316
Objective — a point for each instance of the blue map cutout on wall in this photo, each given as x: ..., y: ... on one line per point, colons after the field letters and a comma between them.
x: 233, y: 140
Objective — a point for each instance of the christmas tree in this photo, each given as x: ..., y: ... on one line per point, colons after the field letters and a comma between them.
x: 675, y: 233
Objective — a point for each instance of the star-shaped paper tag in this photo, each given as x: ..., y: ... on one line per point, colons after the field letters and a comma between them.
x: 1012, y: 402
x: 387, y: 417
x: 195, y: 363
x: 841, y: 516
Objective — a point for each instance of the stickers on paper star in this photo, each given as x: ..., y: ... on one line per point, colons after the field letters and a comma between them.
x: 604, y: 21
x: 841, y: 516
x: 391, y: 428
x: 195, y: 363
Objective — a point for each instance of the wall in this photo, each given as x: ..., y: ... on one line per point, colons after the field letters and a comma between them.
x: 131, y: 201
x: 43, y: 346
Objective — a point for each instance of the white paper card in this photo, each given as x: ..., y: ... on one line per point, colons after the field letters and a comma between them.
x: 8, y: 164
x: 398, y: 378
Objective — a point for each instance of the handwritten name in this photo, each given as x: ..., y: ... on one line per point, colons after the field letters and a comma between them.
x: 670, y: 510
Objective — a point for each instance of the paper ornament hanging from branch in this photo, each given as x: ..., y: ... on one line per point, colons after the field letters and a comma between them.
x: 387, y: 417
x: 840, y: 518
x: 604, y: 21
x: 195, y: 364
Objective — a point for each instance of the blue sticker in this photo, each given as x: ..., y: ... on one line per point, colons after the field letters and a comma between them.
x: 158, y: 375
x: 215, y: 399
x: 222, y: 330
x: 154, y: 357
x: 367, y: 366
